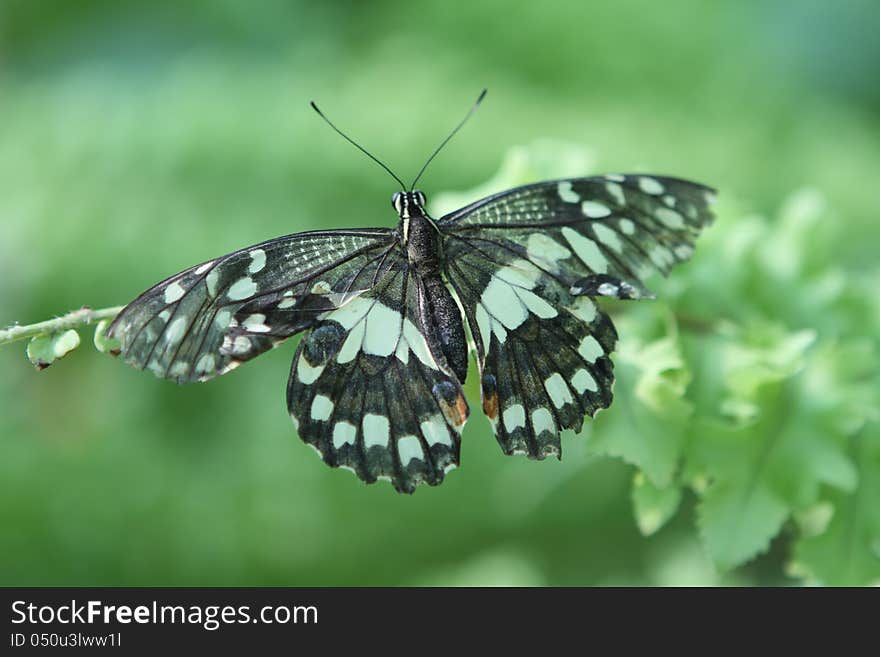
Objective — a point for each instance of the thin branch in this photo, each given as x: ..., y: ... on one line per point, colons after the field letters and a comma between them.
x: 71, y: 320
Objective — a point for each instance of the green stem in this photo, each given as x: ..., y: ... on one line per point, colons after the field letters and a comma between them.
x: 71, y: 320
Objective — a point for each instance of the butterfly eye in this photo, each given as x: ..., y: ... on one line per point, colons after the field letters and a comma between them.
x: 395, y: 201
x: 421, y: 198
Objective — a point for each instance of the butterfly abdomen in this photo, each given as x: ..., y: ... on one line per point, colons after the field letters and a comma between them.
x: 446, y: 328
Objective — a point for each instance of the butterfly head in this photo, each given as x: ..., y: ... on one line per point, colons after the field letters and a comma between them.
x: 409, y: 204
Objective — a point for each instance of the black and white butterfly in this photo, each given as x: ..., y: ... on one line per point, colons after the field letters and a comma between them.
x: 389, y: 316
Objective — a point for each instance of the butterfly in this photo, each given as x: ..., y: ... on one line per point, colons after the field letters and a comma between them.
x: 389, y: 316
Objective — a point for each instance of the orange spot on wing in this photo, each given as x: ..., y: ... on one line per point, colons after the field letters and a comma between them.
x: 457, y: 412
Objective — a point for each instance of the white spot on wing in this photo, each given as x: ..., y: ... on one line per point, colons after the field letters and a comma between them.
x: 514, y: 417
x: 583, y: 309
x: 566, y: 193
x: 661, y: 256
x: 242, y: 289
x: 616, y: 192
x: 650, y: 186
x: 352, y: 312
x: 322, y: 407
x: 521, y: 273
x: 536, y: 305
x: 545, y: 249
x: 684, y: 251
x: 542, y: 420
x: 180, y: 368
x: 174, y: 292
x: 608, y: 237
x: 507, y: 300
x: 175, y: 330
x: 206, y: 364
x: 352, y: 345
x: 222, y: 318
x: 435, y: 431
x: 484, y: 324
x: 258, y: 261
x: 583, y: 380
x: 501, y: 301
x: 240, y: 345
x: 383, y: 327
x: 203, y: 268
x: 376, y: 430
x: 417, y: 344
x: 595, y: 210
x: 409, y: 448
x: 211, y: 281
x: 627, y: 226
x: 587, y: 250
x: 670, y: 217
x: 558, y: 390
x: 306, y: 373
x: 590, y: 349
x: 256, y: 323
x: 343, y: 432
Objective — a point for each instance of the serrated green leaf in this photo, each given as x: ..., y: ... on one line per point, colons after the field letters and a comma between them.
x: 848, y: 552
x: 648, y: 426
x: 102, y: 343
x: 43, y: 350
x: 653, y: 506
x: 762, y: 472
x: 764, y: 353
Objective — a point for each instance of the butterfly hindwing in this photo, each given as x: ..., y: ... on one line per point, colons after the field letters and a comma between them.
x: 207, y: 319
x: 367, y: 391
x: 542, y: 353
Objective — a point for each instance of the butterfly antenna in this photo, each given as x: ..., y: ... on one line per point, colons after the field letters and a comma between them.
x: 451, y: 135
x: 357, y: 145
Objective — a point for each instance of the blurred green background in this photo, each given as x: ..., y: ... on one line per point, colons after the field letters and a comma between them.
x: 139, y: 138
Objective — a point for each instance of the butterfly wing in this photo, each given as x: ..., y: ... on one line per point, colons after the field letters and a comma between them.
x: 207, y: 319
x: 525, y: 264
x: 610, y: 229
x: 367, y: 392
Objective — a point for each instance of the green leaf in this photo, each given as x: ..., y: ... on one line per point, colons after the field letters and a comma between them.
x: 647, y: 427
x: 102, y: 343
x: 847, y: 553
x: 761, y: 354
x: 764, y: 469
x: 43, y: 350
x: 653, y: 506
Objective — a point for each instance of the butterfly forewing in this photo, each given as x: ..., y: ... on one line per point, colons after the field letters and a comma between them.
x: 607, y: 232
x: 207, y: 319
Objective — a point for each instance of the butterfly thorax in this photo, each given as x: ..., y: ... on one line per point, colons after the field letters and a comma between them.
x: 418, y: 233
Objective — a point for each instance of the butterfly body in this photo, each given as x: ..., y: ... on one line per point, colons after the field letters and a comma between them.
x: 390, y: 316
x: 422, y: 241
